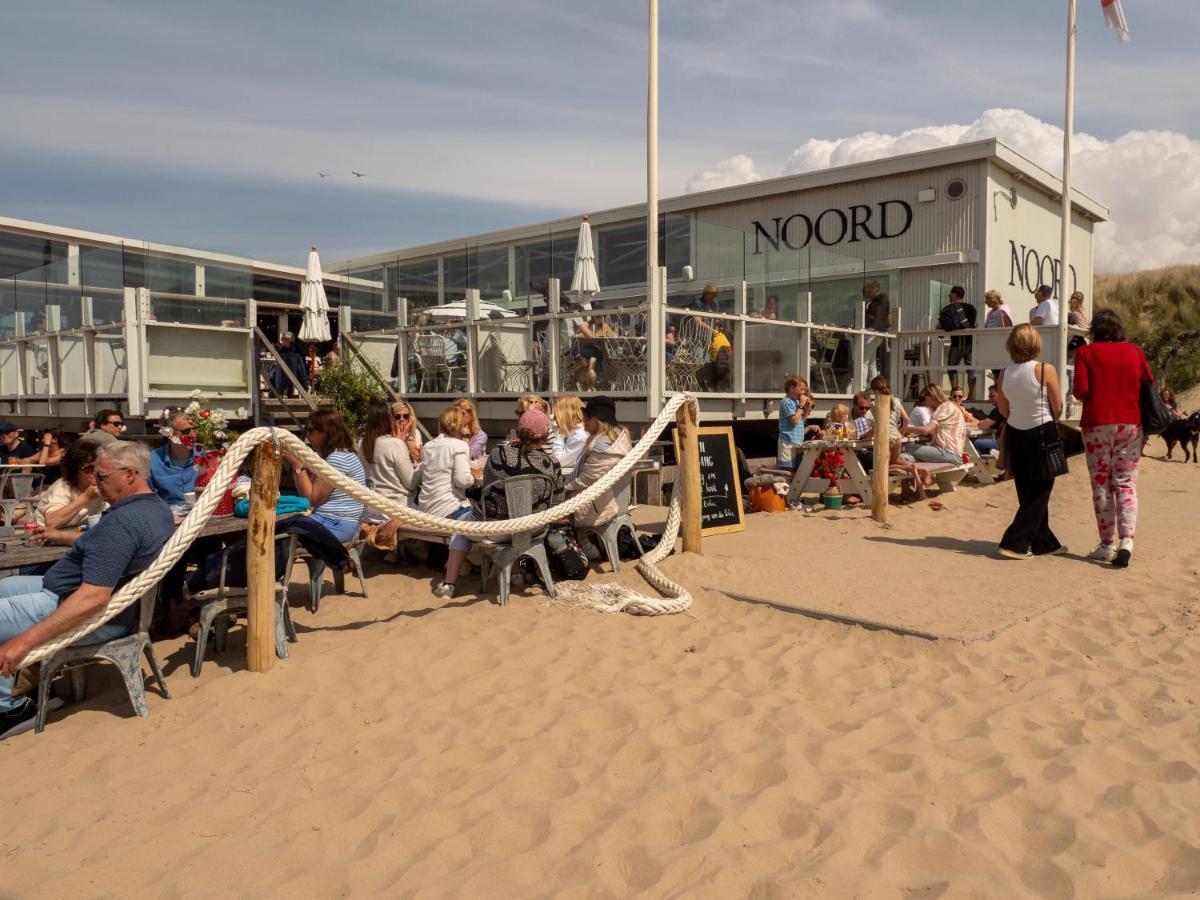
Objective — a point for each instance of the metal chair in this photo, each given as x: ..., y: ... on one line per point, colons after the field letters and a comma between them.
x: 123, y: 652
x: 518, y: 495
x: 691, y: 352
x: 316, y: 568
x: 223, y: 599
x: 823, y: 369
x: 610, y: 531
x: 431, y: 350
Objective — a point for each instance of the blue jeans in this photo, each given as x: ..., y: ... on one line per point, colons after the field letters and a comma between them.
x: 985, y: 445
x: 345, y: 530
x: 459, y: 541
x: 931, y: 454
x: 24, y: 603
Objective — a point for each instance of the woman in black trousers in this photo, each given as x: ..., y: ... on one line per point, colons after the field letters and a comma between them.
x: 1029, y: 395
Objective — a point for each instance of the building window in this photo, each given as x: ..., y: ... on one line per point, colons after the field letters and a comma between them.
x: 621, y: 250
x: 279, y: 290
x: 20, y: 253
x: 551, y: 257
x: 417, y: 281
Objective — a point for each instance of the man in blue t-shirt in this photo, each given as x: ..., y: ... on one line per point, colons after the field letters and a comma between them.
x: 36, y: 609
x: 793, y: 410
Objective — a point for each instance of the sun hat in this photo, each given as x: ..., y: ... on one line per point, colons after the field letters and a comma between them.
x: 535, y: 422
x: 601, y: 408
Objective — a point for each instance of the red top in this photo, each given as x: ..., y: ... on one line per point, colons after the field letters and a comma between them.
x: 1108, y: 379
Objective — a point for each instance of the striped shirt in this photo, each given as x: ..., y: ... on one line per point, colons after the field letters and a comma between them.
x: 339, y: 505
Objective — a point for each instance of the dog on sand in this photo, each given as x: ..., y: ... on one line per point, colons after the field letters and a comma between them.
x: 1185, y: 432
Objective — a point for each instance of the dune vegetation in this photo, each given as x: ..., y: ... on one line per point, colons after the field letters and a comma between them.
x: 1161, y: 308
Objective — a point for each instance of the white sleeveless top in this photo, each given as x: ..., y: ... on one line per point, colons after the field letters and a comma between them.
x: 1029, y: 404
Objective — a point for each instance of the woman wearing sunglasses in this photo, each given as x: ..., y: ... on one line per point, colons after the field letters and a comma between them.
x: 69, y: 502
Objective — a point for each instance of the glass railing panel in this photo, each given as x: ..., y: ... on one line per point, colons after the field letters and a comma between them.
x: 197, y: 311
x: 506, y: 361
x: 10, y: 372
x: 72, y: 368
x: 772, y: 353
x: 832, y: 362
x: 111, y: 363
x: 437, y: 360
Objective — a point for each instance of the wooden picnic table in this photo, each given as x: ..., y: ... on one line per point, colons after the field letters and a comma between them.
x: 18, y: 552
x: 810, y: 451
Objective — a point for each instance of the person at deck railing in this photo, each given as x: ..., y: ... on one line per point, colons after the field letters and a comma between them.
x: 1045, y: 312
x: 958, y: 315
x: 35, y: 609
x: 173, y: 465
x: 999, y: 315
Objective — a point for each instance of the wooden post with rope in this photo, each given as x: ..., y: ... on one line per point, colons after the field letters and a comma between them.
x: 882, y: 457
x: 260, y: 558
x: 689, y: 473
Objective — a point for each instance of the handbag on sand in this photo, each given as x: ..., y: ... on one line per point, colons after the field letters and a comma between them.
x: 1053, y: 459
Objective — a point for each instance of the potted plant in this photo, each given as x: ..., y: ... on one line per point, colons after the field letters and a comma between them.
x: 830, y: 465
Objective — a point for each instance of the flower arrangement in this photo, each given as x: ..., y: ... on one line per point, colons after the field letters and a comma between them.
x: 830, y: 465
x: 212, y: 427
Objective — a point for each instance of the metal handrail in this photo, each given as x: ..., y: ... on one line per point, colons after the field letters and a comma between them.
x: 385, y: 383
x: 304, y: 395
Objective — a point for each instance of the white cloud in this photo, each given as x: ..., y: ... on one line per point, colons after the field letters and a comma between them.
x: 1150, y: 180
x: 735, y: 170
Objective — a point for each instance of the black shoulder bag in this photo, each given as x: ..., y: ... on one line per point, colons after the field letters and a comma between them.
x: 1155, y: 415
x: 1053, y: 461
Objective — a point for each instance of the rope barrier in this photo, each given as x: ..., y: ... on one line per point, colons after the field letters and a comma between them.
x: 606, y: 598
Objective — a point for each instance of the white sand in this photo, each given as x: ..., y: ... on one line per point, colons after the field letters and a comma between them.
x: 414, y: 749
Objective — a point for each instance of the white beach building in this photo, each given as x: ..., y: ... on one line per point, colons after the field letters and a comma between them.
x: 90, y: 320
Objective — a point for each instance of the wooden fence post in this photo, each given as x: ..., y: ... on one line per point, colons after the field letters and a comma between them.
x: 879, y: 474
x: 260, y: 558
x: 689, y: 472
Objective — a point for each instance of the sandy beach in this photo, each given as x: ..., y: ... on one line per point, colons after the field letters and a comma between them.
x: 410, y: 748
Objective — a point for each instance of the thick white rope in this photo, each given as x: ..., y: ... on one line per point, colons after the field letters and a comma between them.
x: 677, y: 597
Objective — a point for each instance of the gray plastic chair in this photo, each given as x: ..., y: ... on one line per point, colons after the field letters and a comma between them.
x: 123, y: 652
x: 518, y: 494
x: 222, y: 599
x: 316, y: 568
x: 610, y: 530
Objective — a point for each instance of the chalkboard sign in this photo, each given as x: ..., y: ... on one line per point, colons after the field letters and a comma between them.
x: 720, y: 487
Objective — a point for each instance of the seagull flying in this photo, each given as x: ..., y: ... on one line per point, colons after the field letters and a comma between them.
x: 357, y: 174
x: 323, y: 174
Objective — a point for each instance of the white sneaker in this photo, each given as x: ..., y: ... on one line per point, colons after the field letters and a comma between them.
x: 1124, y: 552
x: 1103, y: 552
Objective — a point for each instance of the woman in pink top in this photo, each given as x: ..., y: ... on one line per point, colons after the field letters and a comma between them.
x: 948, y: 428
x: 1108, y: 379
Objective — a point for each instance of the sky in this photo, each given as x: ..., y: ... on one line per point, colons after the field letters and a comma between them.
x: 206, y: 123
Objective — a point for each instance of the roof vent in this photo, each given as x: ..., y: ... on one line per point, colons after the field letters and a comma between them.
x: 956, y: 189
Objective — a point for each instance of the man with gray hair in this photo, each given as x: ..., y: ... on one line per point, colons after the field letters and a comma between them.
x: 37, y: 608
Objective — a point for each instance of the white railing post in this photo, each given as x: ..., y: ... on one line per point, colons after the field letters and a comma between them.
x: 553, y: 333
x: 656, y: 341
x: 471, y: 302
x: 136, y: 303
x: 402, y: 345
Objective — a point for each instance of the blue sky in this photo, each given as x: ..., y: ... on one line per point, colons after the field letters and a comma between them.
x: 205, y: 123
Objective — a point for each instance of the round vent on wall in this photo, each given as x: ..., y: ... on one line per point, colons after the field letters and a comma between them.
x: 956, y: 189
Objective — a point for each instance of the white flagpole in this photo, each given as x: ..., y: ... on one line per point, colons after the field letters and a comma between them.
x: 652, y: 154
x: 1064, y: 277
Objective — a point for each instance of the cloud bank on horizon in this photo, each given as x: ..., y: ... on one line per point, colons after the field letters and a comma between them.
x: 1150, y: 180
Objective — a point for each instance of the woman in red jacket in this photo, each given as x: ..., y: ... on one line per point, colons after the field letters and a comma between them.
x: 1108, y: 377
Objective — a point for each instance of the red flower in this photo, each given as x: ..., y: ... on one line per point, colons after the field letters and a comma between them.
x: 205, y: 413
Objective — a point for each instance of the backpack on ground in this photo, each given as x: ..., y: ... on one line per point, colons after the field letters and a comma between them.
x: 567, y: 562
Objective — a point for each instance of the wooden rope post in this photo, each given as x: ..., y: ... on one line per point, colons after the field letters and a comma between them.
x: 260, y: 558
x: 879, y: 474
x: 689, y: 472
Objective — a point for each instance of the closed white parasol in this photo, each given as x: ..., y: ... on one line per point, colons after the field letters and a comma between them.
x: 315, y: 327
x: 585, y: 283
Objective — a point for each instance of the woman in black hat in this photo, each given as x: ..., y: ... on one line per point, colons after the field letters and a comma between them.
x: 608, y: 443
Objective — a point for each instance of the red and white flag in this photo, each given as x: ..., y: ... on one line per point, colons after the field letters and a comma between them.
x: 1114, y: 18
